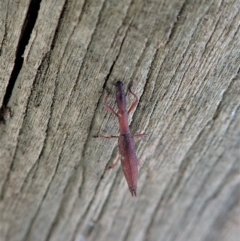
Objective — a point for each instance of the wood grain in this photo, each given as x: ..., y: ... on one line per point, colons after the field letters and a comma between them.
x: 183, y: 58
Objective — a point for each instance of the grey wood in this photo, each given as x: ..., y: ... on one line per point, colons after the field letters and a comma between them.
x: 183, y: 59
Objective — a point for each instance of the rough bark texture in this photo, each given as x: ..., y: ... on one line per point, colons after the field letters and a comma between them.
x: 183, y: 58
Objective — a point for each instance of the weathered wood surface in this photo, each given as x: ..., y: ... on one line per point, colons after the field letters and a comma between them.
x: 183, y: 58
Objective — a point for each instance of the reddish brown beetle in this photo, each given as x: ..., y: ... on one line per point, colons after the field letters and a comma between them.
x: 126, y: 142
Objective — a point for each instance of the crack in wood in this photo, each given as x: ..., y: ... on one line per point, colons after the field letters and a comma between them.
x: 25, y: 35
x: 175, y: 24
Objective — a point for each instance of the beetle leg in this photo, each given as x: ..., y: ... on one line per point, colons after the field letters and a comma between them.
x: 142, y: 135
x: 107, y: 137
x: 109, y: 108
x: 114, y: 164
x: 134, y: 104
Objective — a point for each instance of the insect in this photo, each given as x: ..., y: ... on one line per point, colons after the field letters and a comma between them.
x: 126, y: 142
